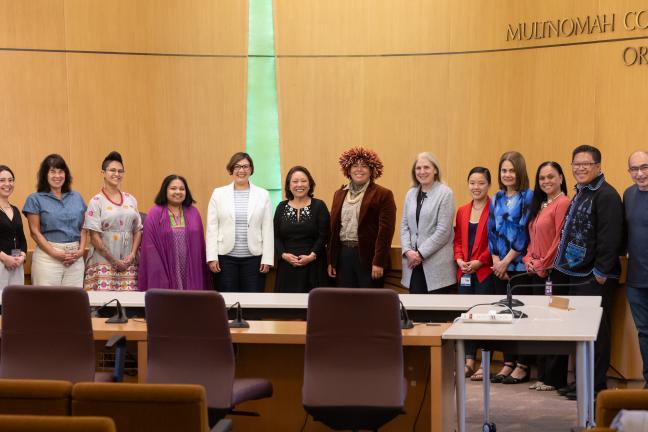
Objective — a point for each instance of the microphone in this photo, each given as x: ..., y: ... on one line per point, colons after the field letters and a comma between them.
x: 510, y: 302
x: 120, y: 315
x: 509, y: 292
x: 238, y: 321
x: 406, y: 322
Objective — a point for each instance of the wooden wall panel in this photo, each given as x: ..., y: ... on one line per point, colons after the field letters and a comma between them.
x: 33, y: 114
x: 32, y: 24
x: 621, y: 111
x: 165, y: 114
x: 362, y: 27
x: 394, y: 106
x: 158, y: 26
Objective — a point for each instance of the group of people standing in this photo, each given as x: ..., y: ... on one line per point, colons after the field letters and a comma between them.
x: 520, y: 236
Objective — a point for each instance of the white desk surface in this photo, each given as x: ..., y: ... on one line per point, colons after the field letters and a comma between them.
x: 440, y: 302
x: 543, y: 324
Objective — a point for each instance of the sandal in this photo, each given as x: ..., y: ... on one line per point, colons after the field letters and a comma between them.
x: 511, y: 380
x: 478, y: 376
x: 468, y: 371
x: 500, y: 376
x: 536, y: 385
x: 545, y: 387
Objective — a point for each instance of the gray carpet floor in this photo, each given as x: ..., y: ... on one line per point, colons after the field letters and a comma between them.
x: 515, y: 408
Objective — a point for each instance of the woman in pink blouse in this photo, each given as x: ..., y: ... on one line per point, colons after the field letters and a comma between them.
x: 548, y: 210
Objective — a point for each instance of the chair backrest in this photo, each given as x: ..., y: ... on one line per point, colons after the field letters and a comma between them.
x: 33, y: 423
x: 189, y: 342
x: 46, y: 334
x: 353, y: 353
x: 35, y: 397
x: 610, y: 402
x: 143, y: 407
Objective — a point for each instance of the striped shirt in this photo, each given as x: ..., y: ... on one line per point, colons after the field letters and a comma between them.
x: 241, y: 198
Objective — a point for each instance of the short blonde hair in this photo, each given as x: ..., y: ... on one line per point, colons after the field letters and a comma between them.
x: 430, y: 158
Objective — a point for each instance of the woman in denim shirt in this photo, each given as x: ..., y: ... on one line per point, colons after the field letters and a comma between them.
x: 55, y: 215
x: 508, y: 239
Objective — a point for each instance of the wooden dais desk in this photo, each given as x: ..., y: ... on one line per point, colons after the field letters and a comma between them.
x: 275, y: 350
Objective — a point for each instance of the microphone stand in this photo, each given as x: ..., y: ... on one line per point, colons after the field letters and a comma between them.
x: 509, y: 296
x: 120, y: 315
x: 406, y: 322
x: 238, y: 321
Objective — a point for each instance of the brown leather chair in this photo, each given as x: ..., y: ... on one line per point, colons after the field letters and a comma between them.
x: 353, y: 367
x: 610, y: 402
x: 144, y: 407
x: 35, y: 397
x: 189, y: 342
x: 29, y: 423
x: 47, y: 334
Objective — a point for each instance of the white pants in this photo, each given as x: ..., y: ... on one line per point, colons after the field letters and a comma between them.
x: 11, y: 277
x: 48, y: 271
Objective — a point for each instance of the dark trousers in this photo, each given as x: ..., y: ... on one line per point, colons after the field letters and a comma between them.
x: 484, y: 287
x: 352, y: 272
x: 602, y: 344
x: 638, y: 299
x: 552, y: 369
x: 418, y: 284
x: 500, y: 288
x: 240, y: 274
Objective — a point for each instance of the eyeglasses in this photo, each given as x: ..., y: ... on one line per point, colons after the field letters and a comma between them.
x: 635, y: 169
x: 578, y: 165
x: 9, y: 180
x: 241, y: 167
x: 115, y: 171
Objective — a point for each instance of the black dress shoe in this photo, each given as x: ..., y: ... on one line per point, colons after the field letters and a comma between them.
x: 567, y: 389
x: 510, y: 380
x: 500, y: 377
x: 572, y: 395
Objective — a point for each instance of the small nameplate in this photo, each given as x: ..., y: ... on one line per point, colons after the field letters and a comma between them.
x: 559, y: 302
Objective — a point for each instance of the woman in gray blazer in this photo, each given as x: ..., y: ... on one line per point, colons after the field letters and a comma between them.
x: 426, y: 231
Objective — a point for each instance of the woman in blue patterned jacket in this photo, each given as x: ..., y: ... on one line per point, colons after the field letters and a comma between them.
x: 507, y: 240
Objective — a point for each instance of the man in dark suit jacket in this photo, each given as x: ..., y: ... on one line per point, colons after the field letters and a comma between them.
x: 363, y: 220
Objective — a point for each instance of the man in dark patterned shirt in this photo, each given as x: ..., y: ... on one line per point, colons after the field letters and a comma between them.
x: 590, y: 243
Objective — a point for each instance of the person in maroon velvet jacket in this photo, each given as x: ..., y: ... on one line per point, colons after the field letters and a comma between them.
x: 363, y: 220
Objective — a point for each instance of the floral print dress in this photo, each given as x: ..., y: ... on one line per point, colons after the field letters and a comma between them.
x: 117, y: 223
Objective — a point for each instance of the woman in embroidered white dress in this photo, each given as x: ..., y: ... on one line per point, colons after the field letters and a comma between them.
x: 115, y: 230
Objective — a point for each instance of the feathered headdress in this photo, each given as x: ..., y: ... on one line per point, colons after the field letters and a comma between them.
x: 361, y: 154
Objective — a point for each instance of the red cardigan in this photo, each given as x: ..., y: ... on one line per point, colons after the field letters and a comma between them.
x: 480, y: 247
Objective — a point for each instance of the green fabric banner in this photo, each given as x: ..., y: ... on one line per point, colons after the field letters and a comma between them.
x: 262, y: 127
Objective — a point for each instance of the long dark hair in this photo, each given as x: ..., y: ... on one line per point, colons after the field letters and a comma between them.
x: 161, y: 198
x: 539, y: 196
x: 53, y: 161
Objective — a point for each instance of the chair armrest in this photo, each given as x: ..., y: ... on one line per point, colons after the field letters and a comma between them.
x: 224, y: 425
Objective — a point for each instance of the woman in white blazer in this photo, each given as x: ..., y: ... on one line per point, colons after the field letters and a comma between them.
x: 426, y: 231
x: 240, y: 237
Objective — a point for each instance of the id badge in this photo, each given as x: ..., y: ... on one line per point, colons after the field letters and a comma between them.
x: 16, y: 252
x: 465, y: 280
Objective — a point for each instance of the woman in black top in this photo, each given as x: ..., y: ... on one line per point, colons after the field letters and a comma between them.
x: 13, y: 246
x: 301, y: 228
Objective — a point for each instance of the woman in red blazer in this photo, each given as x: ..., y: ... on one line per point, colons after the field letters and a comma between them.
x: 471, y: 253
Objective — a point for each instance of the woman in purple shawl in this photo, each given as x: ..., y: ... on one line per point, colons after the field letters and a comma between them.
x: 173, y: 244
